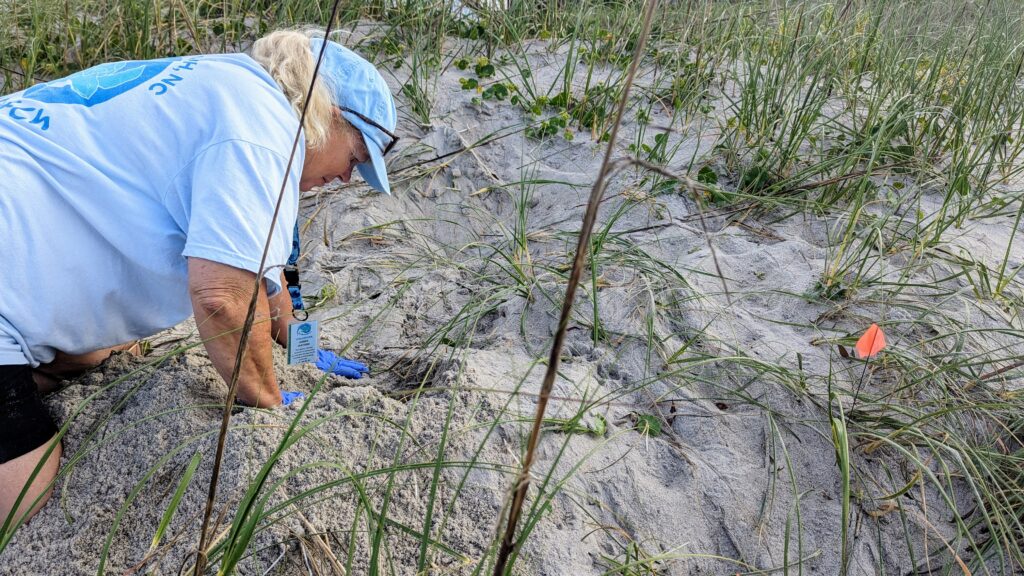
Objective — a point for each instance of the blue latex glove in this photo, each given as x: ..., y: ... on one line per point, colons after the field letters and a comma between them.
x: 289, y: 397
x: 333, y: 364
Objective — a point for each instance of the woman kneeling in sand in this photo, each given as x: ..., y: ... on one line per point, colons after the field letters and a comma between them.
x: 137, y: 193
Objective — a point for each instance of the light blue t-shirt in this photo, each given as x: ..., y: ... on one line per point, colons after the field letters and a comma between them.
x: 112, y: 177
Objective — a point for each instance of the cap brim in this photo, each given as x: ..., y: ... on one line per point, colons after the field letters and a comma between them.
x: 374, y: 171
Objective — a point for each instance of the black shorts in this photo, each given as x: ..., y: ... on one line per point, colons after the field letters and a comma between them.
x: 25, y: 424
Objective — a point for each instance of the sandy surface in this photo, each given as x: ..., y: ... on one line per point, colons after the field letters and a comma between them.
x: 714, y: 484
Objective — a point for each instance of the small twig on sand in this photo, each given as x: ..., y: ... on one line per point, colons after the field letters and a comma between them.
x: 283, y: 550
x: 318, y: 541
x: 1003, y: 370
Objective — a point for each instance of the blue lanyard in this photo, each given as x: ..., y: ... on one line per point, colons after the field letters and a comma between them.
x: 291, y: 273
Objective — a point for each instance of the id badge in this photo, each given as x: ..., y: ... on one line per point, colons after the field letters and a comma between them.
x: 303, y: 342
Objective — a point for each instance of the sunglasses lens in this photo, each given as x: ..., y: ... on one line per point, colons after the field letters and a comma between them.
x: 393, y: 136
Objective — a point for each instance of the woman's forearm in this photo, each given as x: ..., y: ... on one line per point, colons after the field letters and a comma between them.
x: 220, y: 300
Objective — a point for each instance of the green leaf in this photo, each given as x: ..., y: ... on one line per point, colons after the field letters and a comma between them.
x: 647, y: 425
x: 485, y: 71
x: 495, y: 92
x: 707, y: 176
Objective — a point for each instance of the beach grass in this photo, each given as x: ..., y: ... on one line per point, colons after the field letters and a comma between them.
x: 897, y: 124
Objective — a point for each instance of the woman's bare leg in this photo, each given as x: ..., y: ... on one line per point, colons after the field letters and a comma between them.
x: 48, y: 376
x: 14, y: 473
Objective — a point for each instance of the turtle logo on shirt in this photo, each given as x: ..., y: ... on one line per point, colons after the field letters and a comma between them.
x: 98, y: 84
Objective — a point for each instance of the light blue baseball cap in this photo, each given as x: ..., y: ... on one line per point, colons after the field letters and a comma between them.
x: 366, y: 103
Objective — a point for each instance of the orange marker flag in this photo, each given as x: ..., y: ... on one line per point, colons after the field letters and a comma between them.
x: 871, y: 342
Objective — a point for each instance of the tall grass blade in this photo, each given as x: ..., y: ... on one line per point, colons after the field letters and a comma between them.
x: 508, y: 541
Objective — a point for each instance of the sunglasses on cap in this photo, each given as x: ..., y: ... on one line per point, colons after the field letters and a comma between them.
x: 394, y: 137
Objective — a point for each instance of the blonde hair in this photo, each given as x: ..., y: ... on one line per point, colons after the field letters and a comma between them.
x: 287, y: 57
